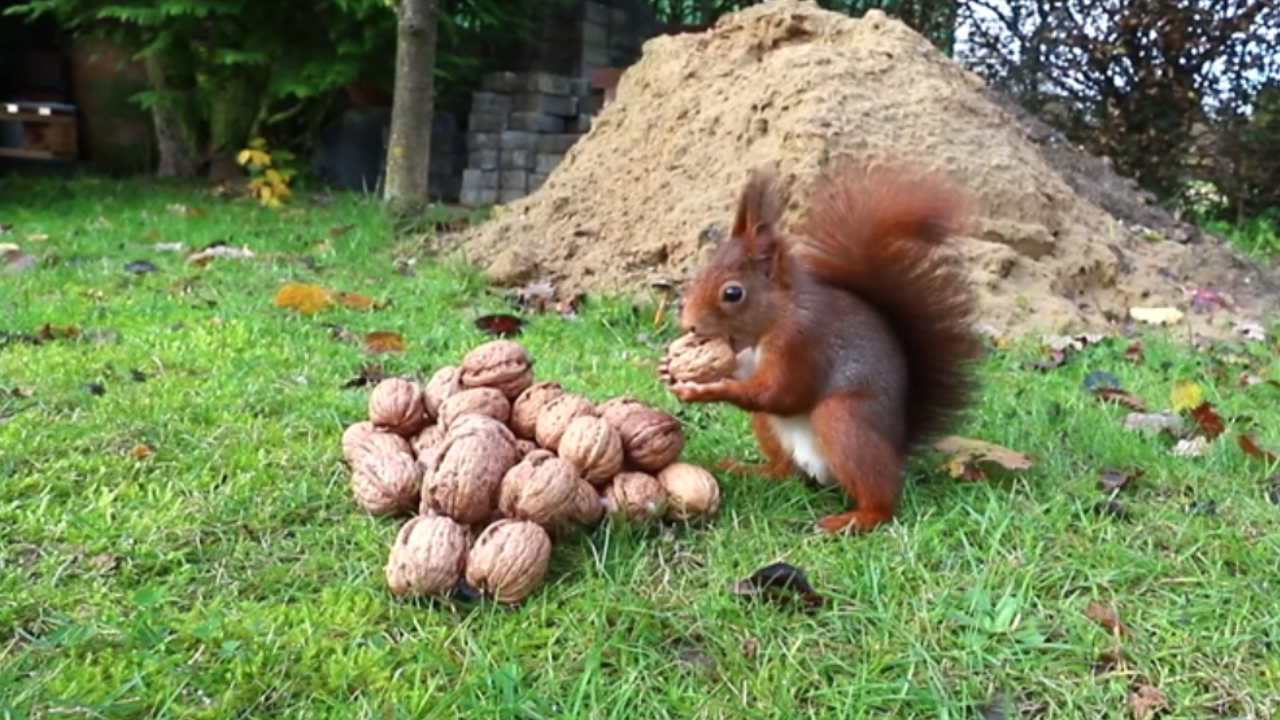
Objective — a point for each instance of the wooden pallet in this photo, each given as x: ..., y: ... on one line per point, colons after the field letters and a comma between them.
x: 48, y: 131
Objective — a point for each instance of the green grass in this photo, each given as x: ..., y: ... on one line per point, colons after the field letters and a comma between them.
x: 230, y: 574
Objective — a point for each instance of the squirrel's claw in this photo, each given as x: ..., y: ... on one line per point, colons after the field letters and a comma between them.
x: 699, y: 392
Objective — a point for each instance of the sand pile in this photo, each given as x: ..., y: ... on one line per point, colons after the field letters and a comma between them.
x: 791, y: 84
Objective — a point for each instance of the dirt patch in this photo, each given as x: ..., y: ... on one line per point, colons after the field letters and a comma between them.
x: 789, y: 84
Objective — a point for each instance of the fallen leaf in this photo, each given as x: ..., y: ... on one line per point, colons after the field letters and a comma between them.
x: 503, y: 326
x: 381, y: 341
x: 969, y: 451
x: 38, y: 237
x: 103, y: 562
x: 1109, y: 661
x: 1251, y: 448
x: 359, y: 301
x: 1121, y: 397
x: 219, y: 250
x: 141, y: 452
x: 781, y: 583
x: 140, y: 267
x: 1055, y: 359
x: 1185, y: 395
x: 368, y: 375
x: 1099, y: 379
x: 14, y: 260
x: 303, y: 298
x: 1146, y: 701
x: 1062, y: 343
x: 1134, y: 353
x: 1107, y: 618
x: 49, y: 332
x: 1207, y: 420
x: 180, y: 209
x: 1156, y: 316
x: 1203, y: 507
x: 1190, y: 447
x: 340, y: 230
x: 1111, y: 479
x: 1251, y: 331
x: 750, y: 648
x: 1113, y: 509
x: 1153, y: 423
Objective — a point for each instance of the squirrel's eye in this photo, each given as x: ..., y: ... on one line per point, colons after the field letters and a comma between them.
x: 733, y: 293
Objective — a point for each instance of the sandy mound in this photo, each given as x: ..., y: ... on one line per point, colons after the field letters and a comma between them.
x: 790, y: 84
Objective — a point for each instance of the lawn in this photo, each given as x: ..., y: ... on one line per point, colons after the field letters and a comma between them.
x: 180, y: 538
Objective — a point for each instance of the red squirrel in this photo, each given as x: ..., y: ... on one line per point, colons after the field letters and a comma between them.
x: 853, y: 336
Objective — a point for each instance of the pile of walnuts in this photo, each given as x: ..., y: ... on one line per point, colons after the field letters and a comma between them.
x: 494, y: 465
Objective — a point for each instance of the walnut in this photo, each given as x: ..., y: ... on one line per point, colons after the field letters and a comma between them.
x: 501, y: 364
x: 588, y: 505
x: 524, y: 447
x: 556, y: 416
x: 463, y: 473
x: 379, y: 443
x: 428, y: 557
x: 697, y: 358
x: 387, y: 483
x: 593, y: 447
x: 509, y: 560
x: 541, y: 488
x: 354, y: 436
x: 691, y: 491
x: 529, y: 404
x: 430, y: 437
x: 636, y: 496
x: 481, y: 401
x: 396, y: 404
x: 616, y: 410
x: 446, y: 382
x: 651, y: 439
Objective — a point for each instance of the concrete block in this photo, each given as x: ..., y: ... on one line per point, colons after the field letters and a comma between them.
x: 516, y: 140
x: 595, y: 34
x: 516, y: 160
x: 580, y: 87
x: 484, y: 159
x: 592, y: 104
x: 541, y: 82
x: 546, y: 164
x: 509, y: 196
x: 556, y: 144
x: 490, y: 102
x: 477, y: 197
x: 535, y: 122
x: 559, y: 105
x: 513, y: 180
x: 582, y: 123
x: 483, y: 179
x: 477, y: 141
x: 500, y: 82
x: 487, y: 122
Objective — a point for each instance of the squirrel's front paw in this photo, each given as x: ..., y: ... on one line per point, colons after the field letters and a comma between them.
x: 699, y: 392
x: 664, y: 370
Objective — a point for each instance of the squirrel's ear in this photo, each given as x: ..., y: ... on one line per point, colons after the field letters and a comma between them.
x: 760, y: 206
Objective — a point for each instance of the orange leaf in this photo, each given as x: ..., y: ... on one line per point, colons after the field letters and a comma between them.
x: 141, y: 452
x: 303, y: 298
x: 382, y: 342
x: 1253, y: 449
x: 1210, y: 424
x: 358, y: 301
x: 1121, y: 397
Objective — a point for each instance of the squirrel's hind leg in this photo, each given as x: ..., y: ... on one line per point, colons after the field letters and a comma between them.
x: 777, y: 463
x: 862, y: 461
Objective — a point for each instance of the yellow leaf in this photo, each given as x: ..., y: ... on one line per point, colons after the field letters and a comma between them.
x: 966, y: 450
x: 303, y: 298
x: 382, y: 342
x: 358, y: 301
x: 273, y: 176
x: 242, y: 158
x: 1186, y: 395
x: 258, y: 143
x: 1156, y: 316
x: 141, y: 452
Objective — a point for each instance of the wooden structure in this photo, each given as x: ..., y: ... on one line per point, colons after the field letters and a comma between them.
x: 48, y: 130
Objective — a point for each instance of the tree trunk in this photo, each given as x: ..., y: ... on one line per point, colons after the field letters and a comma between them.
x: 409, y: 149
x: 178, y: 157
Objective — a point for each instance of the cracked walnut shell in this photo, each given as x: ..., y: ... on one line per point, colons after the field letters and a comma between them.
x: 463, y: 473
x: 691, y: 491
x: 387, y: 483
x: 700, y: 359
x: 636, y: 496
x: 651, y: 439
x: 428, y: 556
x: 479, y: 401
x: 542, y: 488
x: 509, y: 560
x: 529, y: 404
x: 593, y: 447
x: 501, y: 364
x: 443, y: 384
x: 397, y: 405
x: 556, y: 416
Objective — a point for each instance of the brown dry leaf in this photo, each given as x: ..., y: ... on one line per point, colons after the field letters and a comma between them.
x: 1153, y: 423
x: 1121, y: 397
x: 54, y: 332
x: 1107, y: 618
x: 1146, y: 701
x: 359, y: 301
x: 381, y: 341
x: 220, y: 250
x: 141, y: 452
x: 1251, y: 448
x: 1190, y: 447
x: 180, y: 209
x: 303, y: 298
x: 104, y: 562
x: 1055, y: 359
x: 1134, y: 353
x: 1209, y: 422
x: 340, y: 230
x: 966, y: 453
x: 1185, y: 395
x: 369, y: 375
x: 1110, y: 661
x: 1111, y: 479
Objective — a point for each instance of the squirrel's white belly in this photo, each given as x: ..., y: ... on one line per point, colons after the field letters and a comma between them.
x: 796, y: 435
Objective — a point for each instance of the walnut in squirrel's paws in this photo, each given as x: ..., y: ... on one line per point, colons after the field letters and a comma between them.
x: 697, y: 359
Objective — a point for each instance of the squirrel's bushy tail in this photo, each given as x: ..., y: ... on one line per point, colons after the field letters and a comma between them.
x: 874, y: 230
